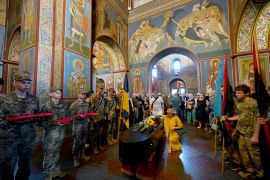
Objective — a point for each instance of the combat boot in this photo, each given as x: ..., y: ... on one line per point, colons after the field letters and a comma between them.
x: 59, y: 173
x: 84, y: 157
x: 109, y: 142
x: 101, y: 148
x: 76, y: 162
x: 95, y: 150
x: 49, y: 177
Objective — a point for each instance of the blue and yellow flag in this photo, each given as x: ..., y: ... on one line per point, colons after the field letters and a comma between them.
x: 125, y: 103
x: 218, y: 96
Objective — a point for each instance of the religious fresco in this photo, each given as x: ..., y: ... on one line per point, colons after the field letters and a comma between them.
x: 3, y: 12
x: 14, y: 48
x: 138, y: 3
x: 209, y: 74
x: 2, y: 41
x: 165, y: 65
x: 246, y: 28
x: 246, y: 71
x: 29, y: 18
x: 27, y: 61
x: 103, y: 62
x: 108, y: 58
x: 76, y: 74
x: 14, y: 17
x: 11, y: 69
x: 109, y: 82
x: 109, y: 23
x: 119, y: 80
x: 262, y: 27
x: 201, y: 27
x: 137, y: 83
x: 77, y: 26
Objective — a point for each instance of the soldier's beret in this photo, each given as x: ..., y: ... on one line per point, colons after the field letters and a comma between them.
x: 22, y: 76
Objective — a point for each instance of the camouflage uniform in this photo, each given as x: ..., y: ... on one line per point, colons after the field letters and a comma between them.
x: 80, y: 127
x: 250, y: 154
x: 53, y: 137
x: 18, y: 141
x: 98, y: 122
x: 110, y: 122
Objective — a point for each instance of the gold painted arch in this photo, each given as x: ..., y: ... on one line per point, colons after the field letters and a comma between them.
x: 108, y: 56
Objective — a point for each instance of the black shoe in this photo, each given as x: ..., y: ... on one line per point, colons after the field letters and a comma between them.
x: 235, y: 167
x: 228, y: 161
x: 101, y: 148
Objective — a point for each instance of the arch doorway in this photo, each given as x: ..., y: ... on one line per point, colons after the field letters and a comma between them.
x: 173, y: 63
x: 177, y: 86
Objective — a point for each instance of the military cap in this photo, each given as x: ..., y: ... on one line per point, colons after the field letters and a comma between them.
x: 53, y: 89
x: 21, y: 76
x: 111, y: 90
x: 101, y: 86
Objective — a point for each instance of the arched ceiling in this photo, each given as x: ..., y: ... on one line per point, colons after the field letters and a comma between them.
x: 254, y: 20
x: 108, y: 57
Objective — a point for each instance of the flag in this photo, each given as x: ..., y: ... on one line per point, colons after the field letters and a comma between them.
x: 227, y: 104
x: 218, y: 98
x: 262, y: 96
x: 125, y: 103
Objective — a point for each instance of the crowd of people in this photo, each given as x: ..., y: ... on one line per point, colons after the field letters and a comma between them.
x: 93, y: 134
x: 242, y: 143
x: 192, y: 108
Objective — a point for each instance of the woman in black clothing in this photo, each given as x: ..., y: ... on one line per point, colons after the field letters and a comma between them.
x: 201, y: 111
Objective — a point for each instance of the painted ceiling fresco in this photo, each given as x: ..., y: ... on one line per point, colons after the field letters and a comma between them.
x: 108, y: 59
x: 166, y: 63
x: 202, y: 27
x: 138, y: 3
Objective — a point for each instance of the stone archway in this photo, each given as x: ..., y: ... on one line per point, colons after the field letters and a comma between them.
x: 172, y: 50
x: 174, y: 82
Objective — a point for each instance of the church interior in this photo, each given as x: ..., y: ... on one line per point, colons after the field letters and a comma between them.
x: 163, y: 47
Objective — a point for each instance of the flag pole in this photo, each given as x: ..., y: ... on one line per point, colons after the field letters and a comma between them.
x: 223, y: 154
x: 215, y: 148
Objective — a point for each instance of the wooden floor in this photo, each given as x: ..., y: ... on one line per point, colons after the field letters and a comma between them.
x: 196, y: 161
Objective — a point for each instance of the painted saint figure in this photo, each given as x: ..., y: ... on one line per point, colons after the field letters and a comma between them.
x: 29, y: 19
x: 77, y: 80
x: 249, y: 76
x: 79, y: 22
x: 109, y: 83
x: 137, y: 83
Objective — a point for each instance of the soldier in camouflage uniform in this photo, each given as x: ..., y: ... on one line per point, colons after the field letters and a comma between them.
x: 246, y: 133
x: 80, y: 128
x: 110, y: 122
x: 54, y: 134
x: 17, y: 139
x: 98, y: 102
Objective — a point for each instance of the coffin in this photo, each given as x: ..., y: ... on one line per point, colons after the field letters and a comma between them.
x: 136, y: 146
